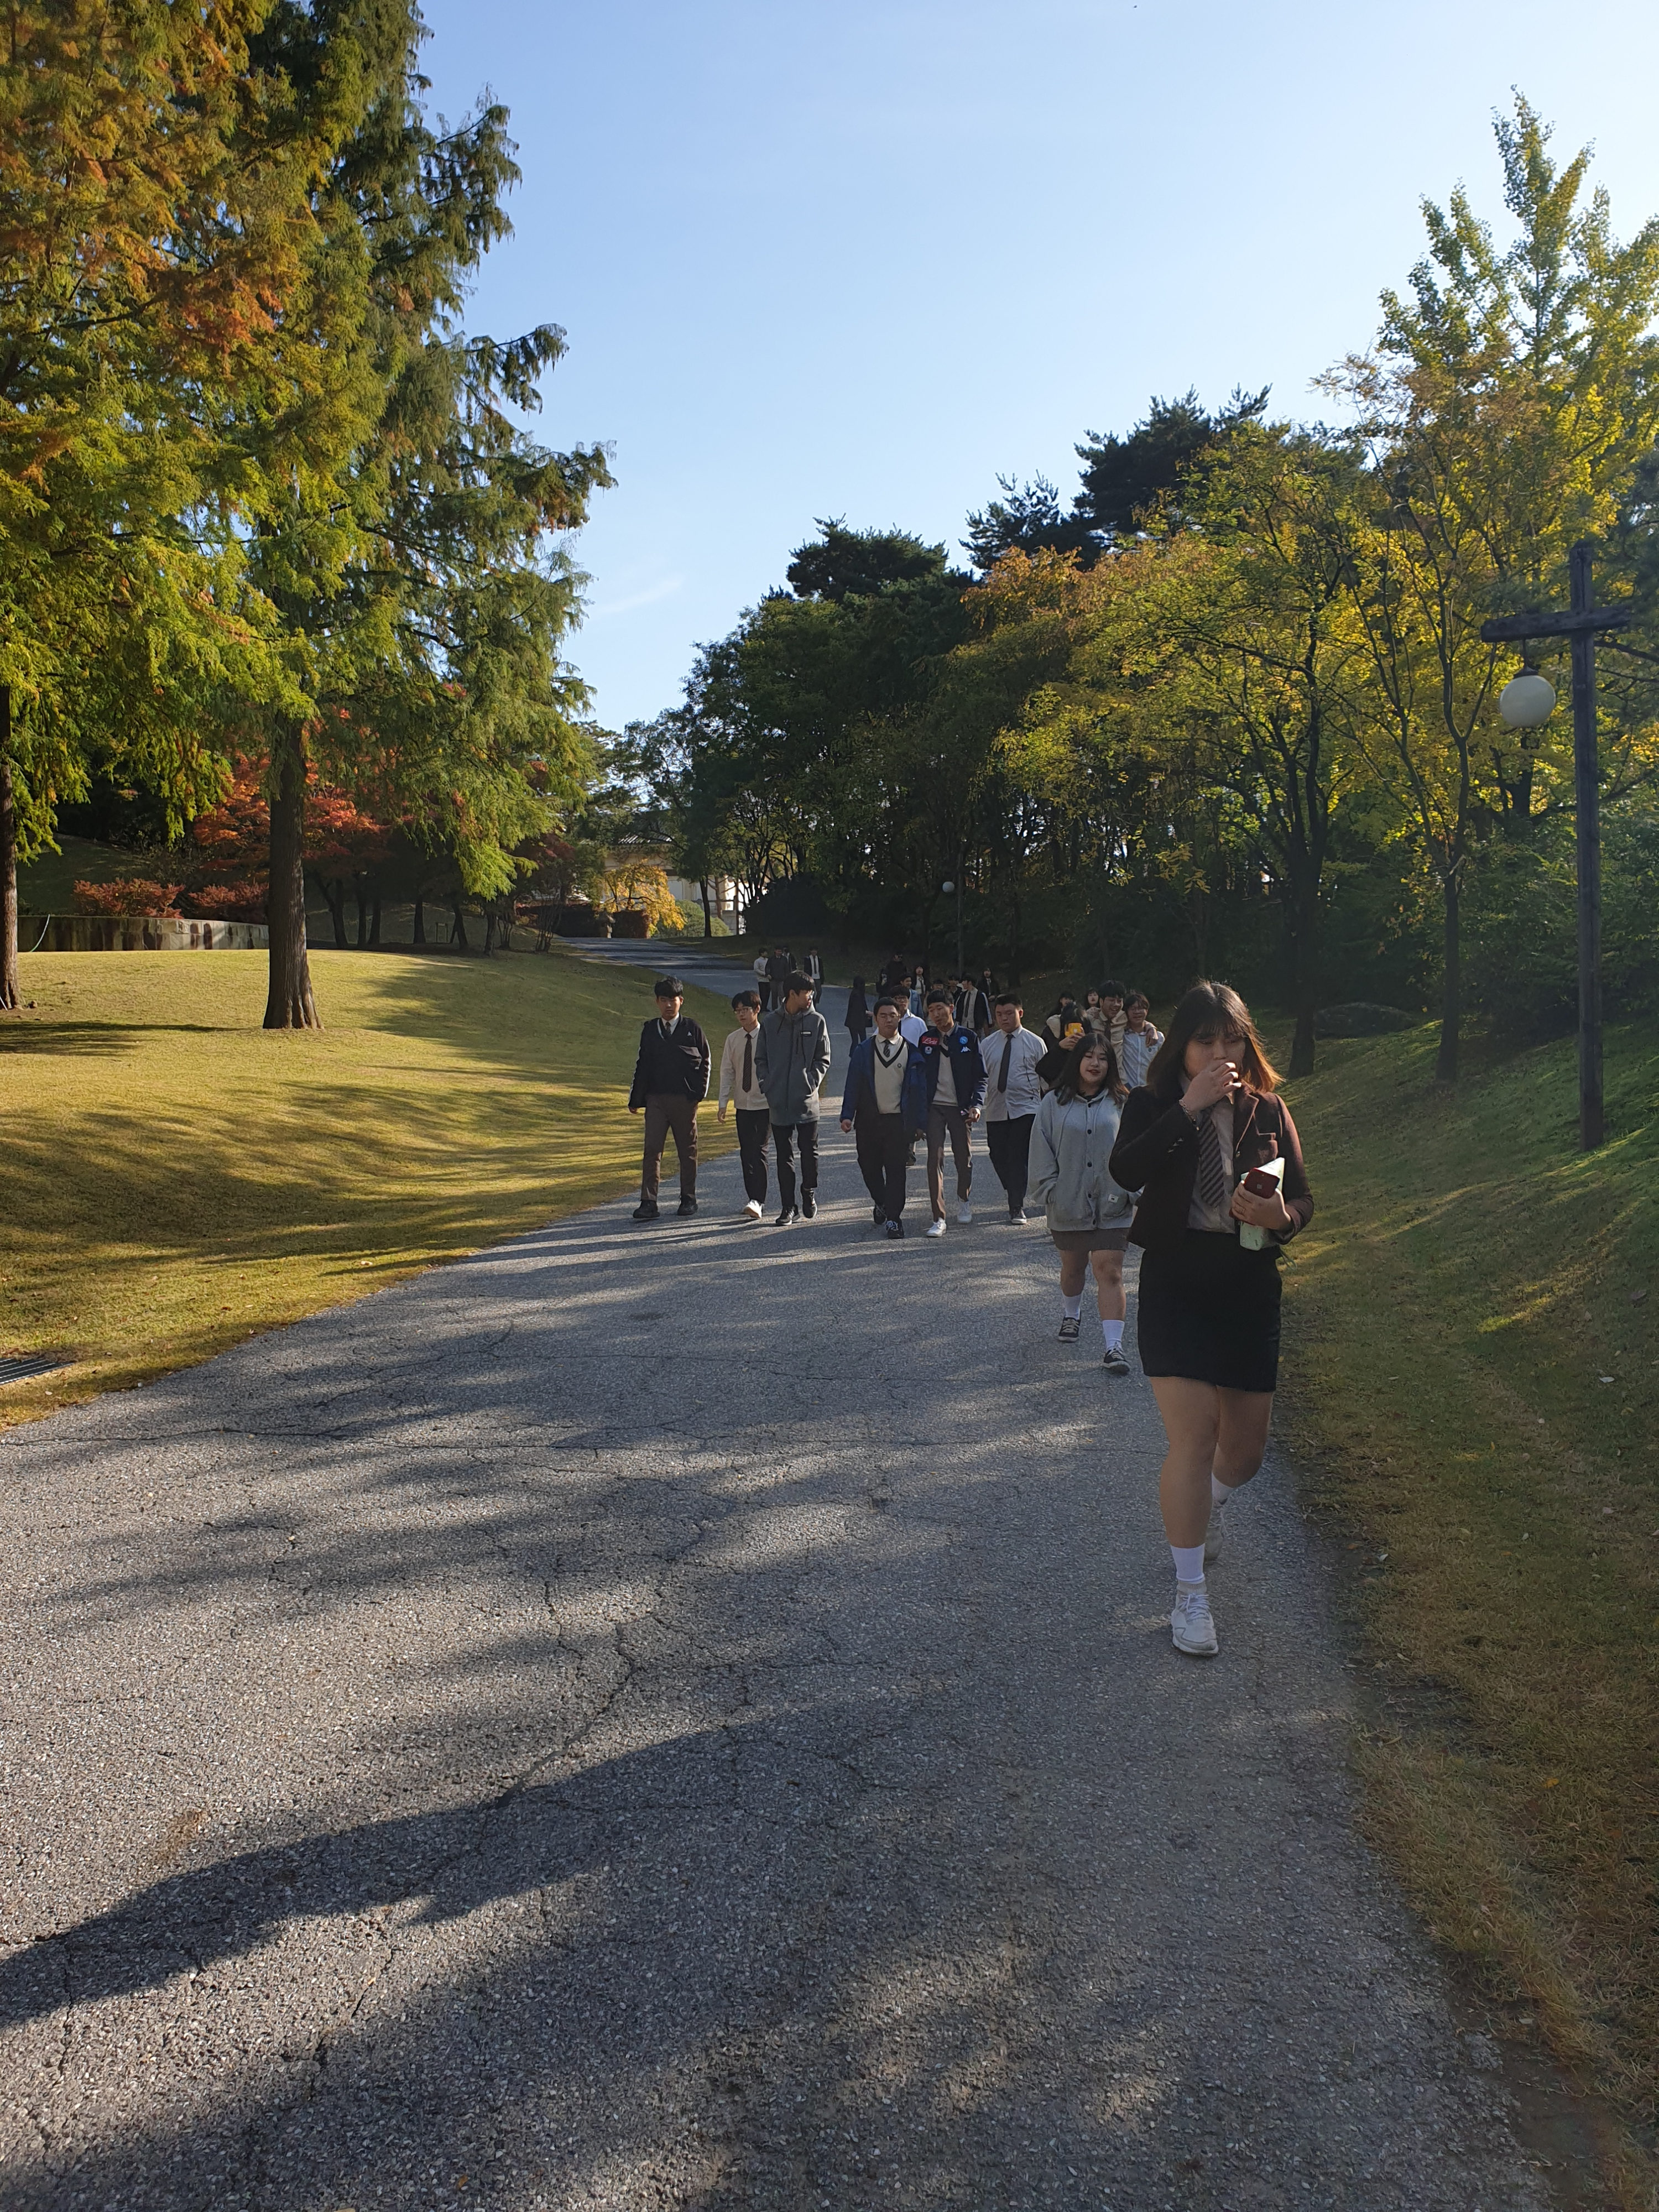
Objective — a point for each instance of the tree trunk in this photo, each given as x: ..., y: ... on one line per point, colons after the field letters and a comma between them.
x: 1451, y: 998
x: 1305, y: 980
x: 708, y: 923
x: 420, y: 919
x: 374, y: 915
x: 1301, y: 1047
x: 8, y: 983
x: 360, y: 892
x: 289, y: 1004
x: 333, y: 891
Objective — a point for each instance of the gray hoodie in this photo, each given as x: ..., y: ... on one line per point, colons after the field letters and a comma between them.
x: 792, y: 1058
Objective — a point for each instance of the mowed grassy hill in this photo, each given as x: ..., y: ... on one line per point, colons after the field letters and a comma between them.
x: 1472, y: 1386
x: 172, y: 1177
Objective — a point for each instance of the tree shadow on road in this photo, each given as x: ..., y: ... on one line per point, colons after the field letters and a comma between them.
x: 810, y: 1764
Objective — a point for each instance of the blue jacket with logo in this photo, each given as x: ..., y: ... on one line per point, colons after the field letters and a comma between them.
x: 960, y: 1047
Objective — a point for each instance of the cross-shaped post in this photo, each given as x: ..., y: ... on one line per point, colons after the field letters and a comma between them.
x: 1580, y: 624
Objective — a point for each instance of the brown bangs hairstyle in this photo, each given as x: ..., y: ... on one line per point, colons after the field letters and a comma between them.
x: 1209, y: 1011
x: 1066, y: 1086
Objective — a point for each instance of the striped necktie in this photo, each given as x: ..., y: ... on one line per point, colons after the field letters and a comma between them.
x: 1212, y: 1176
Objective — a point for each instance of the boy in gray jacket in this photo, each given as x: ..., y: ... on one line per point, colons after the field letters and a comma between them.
x: 792, y: 1058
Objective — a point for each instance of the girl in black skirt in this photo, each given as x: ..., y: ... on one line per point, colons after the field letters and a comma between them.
x: 1197, y: 1142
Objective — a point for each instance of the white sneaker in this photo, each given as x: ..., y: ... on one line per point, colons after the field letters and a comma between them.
x: 1216, y: 1531
x: 964, y: 1211
x: 753, y: 1211
x: 936, y: 1228
x: 1017, y: 1220
x: 1191, y: 1624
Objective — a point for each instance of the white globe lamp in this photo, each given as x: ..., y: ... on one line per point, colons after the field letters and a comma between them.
x: 947, y: 889
x: 1527, y: 700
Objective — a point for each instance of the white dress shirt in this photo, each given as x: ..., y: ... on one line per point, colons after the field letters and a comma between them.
x: 1023, y: 1093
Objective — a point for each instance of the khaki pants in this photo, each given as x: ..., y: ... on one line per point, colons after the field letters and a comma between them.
x: 664, y: 1114
x: 942, y: 1119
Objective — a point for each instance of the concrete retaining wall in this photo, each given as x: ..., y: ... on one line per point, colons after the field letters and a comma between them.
x: 101, y: 933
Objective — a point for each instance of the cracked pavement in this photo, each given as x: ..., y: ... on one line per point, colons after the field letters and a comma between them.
x: 685, y: 1716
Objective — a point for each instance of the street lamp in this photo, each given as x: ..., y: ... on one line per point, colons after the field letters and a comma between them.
x: 1580, y: 624
x: 1527, y: 700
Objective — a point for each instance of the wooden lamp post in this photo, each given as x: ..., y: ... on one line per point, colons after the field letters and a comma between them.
x: 1580, y: 625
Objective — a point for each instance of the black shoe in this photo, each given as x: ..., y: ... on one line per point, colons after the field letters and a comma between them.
x: 809, y: 1204
x: 879, y: 1215
x: 645, y: 1210
x: 895, y: 1229
x: 788, y: 1218
x: 688, y: 1204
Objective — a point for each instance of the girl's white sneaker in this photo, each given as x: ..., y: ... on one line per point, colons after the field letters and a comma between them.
x: 1191, y: 1624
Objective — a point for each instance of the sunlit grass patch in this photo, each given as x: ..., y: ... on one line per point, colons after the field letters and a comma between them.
x: 172, y: 1177
x: 1475, y: 1384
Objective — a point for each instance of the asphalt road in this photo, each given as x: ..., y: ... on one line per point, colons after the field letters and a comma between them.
x: 685, y: 1716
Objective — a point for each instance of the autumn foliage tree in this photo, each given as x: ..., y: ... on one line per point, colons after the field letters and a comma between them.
x: 155, y: 188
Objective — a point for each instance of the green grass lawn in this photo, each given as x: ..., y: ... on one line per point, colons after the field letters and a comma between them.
x: 172, y: 1177
x: 1473, y: 1385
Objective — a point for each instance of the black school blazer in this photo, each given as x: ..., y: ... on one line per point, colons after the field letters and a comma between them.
x: 1157, y: 1154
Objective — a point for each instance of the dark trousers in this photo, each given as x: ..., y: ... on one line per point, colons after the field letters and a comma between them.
x: 1009, y: 1144
x: 786, y: 1133
x: 951, y: 1121
x: 754, y: 1136
x: 884, y: 1151
x: 664, y: 1114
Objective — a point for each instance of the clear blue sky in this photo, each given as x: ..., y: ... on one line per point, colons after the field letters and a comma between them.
x: 857, y: 258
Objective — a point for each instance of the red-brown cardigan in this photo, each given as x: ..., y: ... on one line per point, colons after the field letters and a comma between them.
x: 1157, y: 1154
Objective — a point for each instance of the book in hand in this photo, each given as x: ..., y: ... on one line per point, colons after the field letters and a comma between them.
x: 1260, y: 1182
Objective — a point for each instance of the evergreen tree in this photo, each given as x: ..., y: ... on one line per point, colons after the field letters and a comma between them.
x: 419, y: 592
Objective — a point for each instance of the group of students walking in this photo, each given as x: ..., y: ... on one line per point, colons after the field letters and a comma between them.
x: 1195, y: 1160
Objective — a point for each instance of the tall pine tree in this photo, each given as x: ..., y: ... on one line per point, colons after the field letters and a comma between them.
x: 412, y: 565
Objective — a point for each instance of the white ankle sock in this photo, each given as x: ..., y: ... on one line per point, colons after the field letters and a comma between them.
x: 1113, y: 1333
x: 1220, y: 1491
x: 1188, y: 1563
x: 1072, y: 1308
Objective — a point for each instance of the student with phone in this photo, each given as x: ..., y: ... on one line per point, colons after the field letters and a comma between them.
x: 1197, y: 1142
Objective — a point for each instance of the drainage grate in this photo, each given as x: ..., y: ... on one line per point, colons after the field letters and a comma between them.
x: 22, y: 1371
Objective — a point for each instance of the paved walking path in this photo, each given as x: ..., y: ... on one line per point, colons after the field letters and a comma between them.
x: 681, y: 1718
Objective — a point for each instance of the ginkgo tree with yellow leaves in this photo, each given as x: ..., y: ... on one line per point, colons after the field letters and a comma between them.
x: 1506, y: 408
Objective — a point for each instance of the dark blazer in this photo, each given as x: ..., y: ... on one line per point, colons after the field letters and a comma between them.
x: 672, y: 1066
x: 862, y: 1085
x: 1156, y: 1155
x: 974, y: 1011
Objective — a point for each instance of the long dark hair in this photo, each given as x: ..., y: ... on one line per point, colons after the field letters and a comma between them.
x: 1209, y: 1011
x: 1065, y: 1084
